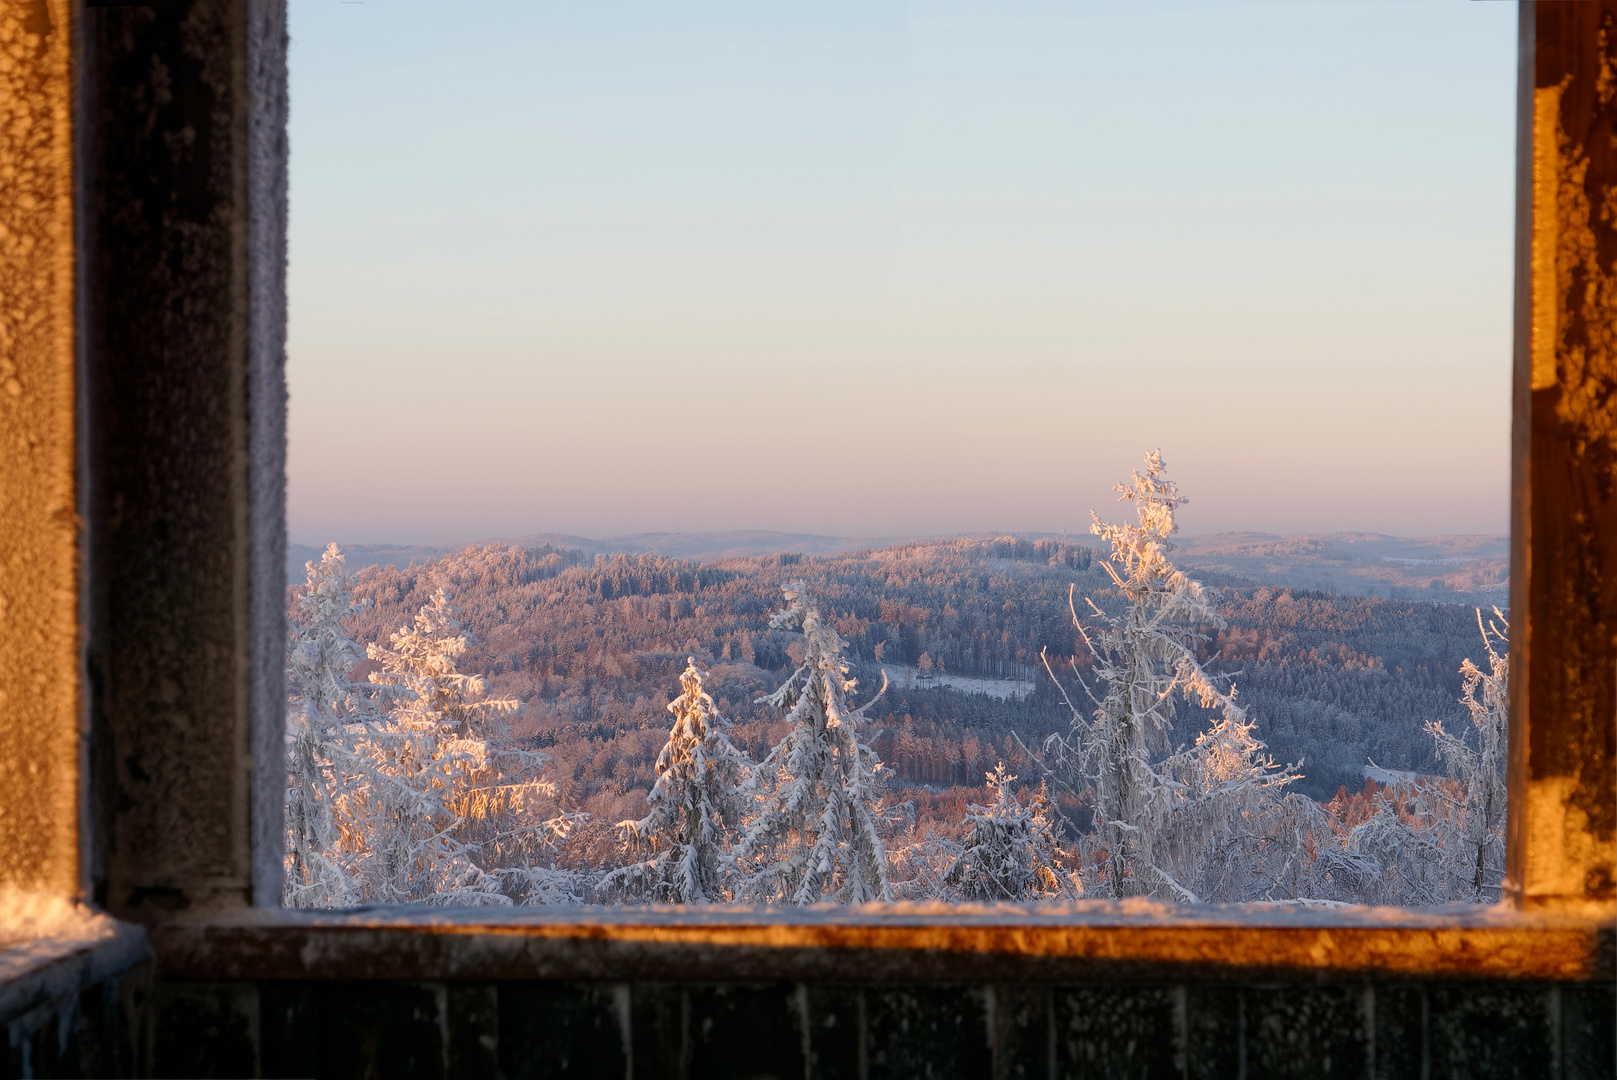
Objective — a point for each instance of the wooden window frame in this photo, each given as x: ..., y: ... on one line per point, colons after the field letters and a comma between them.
x: 146, y: 537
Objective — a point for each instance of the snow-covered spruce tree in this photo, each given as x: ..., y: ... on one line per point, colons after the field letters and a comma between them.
x: 323, y: 847
x: 814, y: 835
x: 698, y: 798
x: 1436, y: 841
x: 918, y: 862
x: 1236, y: 834
x: 1011, y: 851
x: 1398, y: 851
x: 449, y: 814
x: 1472, y: 815
x: 1169, y: 822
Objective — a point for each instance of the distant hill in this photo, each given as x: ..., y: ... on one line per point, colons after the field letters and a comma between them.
x: 713, y: 547
x: 691, y: 547
x: 1461, y: 569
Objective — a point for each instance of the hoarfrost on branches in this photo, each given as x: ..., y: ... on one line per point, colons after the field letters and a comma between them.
x: 1206, y: 822
x: 1474, y: 817
x: 1011, y: 851
x: 1236, y: 834
x: 405, y: 789
x: 412, y: 787
x: 697, y: 800
x: 322, y: 861
x: 814, y: 836
x: 1442, y: 840
x: 455, y: 806
x: 1396, y: 856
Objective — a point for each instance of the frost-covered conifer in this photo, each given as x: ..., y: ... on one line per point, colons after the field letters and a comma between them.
x: 1236, y: 834
x: 697, y: 799
x: 814, y: 837
x: 1396, y: 855
x: 1171, y: 822
x: 450, y: 810
x: 1011, y: 851
x: 1473, y: 816
x: 1436, y: 841
x: 323, y: 850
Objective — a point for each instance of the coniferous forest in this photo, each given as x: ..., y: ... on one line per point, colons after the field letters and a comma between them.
x: 537, y: 755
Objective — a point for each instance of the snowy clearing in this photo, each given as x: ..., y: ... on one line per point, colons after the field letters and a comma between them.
x: 910, y: 678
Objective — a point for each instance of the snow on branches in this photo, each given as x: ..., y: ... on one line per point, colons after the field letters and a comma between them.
x: 454, y: 811
x: 1011, y: 851
x: 697, y: 799
x: 322, y: 856
x: 406, y: 789
x: 814, y: 836
x: 1436, y: 840
x: 1171, y: 822
x: 1474, y: 816
x: 413, y: 787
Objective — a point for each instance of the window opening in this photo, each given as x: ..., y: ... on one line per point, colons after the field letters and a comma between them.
x: 756, y: 344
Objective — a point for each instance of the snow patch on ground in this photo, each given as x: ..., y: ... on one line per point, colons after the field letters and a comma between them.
x: 909, y: 678
x: 1394, y: 776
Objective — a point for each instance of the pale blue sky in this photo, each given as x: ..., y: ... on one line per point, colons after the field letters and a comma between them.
x: 880, y: 269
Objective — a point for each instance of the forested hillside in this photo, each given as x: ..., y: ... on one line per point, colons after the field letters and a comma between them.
x: 593, y: 647
x: 1471, y: 569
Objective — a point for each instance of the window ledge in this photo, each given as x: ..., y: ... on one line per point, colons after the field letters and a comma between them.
x: 1090, y: 941
x: 52, y: 948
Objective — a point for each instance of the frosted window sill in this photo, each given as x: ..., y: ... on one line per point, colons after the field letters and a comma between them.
x: 1094, y: 941
x: 51, y: 948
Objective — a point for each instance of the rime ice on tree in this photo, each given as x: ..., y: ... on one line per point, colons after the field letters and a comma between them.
x: 403, y: 789
x: 1475, y: 819
x: 1011, y: 851
x: 814, y: 837
x: 696, y: 799
x: 322, y: 856
x: 1434, y: 841
x: 1189, y: 824
x: 453, y: 805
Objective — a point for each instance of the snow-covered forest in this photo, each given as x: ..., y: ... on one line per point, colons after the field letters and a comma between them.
x: 517, y: 726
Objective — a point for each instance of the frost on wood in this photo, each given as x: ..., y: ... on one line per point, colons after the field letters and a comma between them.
x: 696, y: 802
x: 1204, y: 822
x: 814, y: 836
x: 41, y: 931
x: 405, y: 788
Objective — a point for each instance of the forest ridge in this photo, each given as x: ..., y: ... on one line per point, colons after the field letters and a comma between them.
x: 423, y: 782
x: 593, y: 645
x: 1469, y: 569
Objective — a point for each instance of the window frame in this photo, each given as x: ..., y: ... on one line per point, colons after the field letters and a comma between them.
x: 178, y: 474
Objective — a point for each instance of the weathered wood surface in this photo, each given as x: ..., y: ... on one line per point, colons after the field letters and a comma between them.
x: 183, y: 203
x: 1104, y: 941
x: 40, y: 694
x: 1563, y: 810
x: 888, y: 1031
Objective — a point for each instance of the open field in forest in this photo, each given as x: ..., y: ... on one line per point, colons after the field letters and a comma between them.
x: 1002, y: 689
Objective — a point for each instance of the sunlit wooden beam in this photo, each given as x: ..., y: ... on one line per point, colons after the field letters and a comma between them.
x: 1562, y: 842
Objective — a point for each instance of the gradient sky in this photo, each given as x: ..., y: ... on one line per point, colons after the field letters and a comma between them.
x: 883, y: 269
